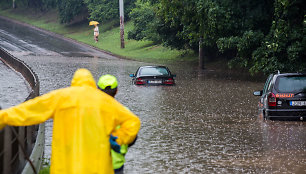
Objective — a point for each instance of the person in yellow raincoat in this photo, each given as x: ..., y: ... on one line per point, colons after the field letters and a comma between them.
x: 109, y: 84
x: 83, y: 119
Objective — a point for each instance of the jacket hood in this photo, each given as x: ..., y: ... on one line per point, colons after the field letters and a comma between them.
x: 83, y: 77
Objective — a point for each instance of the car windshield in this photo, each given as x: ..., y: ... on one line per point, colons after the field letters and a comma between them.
x: 153, y: 71
x: 291, y: 84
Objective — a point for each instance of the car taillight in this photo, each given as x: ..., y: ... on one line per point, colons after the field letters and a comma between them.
x: 140, y: 81
x: 169, y: 81
x: 271, y: 99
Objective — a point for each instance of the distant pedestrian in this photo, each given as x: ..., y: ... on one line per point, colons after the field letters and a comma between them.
x: 84, y: 122
x: 96, y: 33
x: 108, y: 84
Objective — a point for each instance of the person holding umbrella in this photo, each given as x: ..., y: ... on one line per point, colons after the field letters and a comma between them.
x: 96, y: 30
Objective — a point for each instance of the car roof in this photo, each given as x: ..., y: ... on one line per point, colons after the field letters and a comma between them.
x: 153, y: 66
x: 290, y: 74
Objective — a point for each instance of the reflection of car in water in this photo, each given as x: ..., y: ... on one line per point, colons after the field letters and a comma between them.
x: 283, y: 97
x: 285, y: 137
x: 153, y: 75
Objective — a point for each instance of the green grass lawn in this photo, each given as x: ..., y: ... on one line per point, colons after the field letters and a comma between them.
x: 109, y: 38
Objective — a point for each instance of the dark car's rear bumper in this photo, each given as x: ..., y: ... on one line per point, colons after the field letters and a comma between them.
x: 158, y: 84
x: 287, y: 114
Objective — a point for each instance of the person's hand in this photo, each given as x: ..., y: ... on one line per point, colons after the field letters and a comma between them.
x: 114, y: 145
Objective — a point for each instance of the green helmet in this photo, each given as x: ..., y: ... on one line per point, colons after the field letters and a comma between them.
x: 107, y: 80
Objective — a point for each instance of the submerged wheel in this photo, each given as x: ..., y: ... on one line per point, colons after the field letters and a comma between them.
x: 264, y: 115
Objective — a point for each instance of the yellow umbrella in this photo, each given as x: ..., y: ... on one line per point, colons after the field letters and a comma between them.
x: 93, y: 23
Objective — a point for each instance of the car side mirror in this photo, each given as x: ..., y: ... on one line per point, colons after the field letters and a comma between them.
x: 132, y: 75
x: 257, y: 93
x: 173, y: 75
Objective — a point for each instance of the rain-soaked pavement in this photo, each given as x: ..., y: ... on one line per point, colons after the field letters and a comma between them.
x: 207, y: 123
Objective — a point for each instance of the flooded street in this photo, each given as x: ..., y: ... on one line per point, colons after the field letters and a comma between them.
x: 14, y: 88
x: 207, y: 123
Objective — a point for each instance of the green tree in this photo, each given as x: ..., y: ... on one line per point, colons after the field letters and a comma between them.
x: 248, y: 21
x: 105, y: 10
x: 68, y: 9
x: 4, y: 4
x: 29, y: 3
x: 284, y: 47
x: 260, y: 35
x: 145, y: 22
x: 48, y: 4
x: 174, y: 18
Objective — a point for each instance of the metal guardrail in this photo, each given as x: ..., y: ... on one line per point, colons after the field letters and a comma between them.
x: 12, y: 159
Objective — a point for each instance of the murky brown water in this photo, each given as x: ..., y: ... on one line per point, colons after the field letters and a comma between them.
x: 207, y: 123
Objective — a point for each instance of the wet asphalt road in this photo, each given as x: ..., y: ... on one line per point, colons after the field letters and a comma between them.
x: 207, y: 123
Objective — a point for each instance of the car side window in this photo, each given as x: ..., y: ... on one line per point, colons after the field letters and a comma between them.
x: 267, y: 84
x: 269, y: 87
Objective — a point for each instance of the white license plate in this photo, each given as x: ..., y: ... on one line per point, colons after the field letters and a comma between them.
x: 297, y: 103
x: 154, y: 81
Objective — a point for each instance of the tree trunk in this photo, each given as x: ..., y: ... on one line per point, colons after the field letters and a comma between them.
x: 201, y: 56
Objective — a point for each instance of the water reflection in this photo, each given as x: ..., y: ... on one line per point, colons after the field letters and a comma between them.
x: 284, y: 135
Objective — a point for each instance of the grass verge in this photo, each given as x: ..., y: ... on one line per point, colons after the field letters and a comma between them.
x: 45, y: 170
x: 109, y: 39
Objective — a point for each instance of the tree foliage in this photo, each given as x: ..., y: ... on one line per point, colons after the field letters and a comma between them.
x: 263, y: 36
x: 145, y: 22
x: 69, y: 9
x: 100, y: 10
x: 284, y: 46
x: 35, y: 4
x: 105, y: 10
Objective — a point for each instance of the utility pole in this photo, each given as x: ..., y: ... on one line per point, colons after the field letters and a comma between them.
x: 14, y: 6
x: 121, y: 23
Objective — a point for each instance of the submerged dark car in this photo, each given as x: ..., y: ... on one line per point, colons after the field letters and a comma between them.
x: 283, y: 97
x: 153, y: 75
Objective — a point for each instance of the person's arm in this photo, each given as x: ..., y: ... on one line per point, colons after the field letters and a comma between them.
x: 132, y: 143
x: 129, y: 126
x: 31, y: 112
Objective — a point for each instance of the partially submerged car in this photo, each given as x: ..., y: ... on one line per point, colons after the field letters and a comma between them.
x: 283, y: 97
x: 153, y: 75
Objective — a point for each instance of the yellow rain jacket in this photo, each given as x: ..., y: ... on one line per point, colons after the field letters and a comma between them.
x: 83, y: 119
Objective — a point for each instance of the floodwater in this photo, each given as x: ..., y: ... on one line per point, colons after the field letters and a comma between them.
x: 14, y: 89
x: 207, y: 123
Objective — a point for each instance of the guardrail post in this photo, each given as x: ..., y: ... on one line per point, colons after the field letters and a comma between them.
x: 29, y: 139
x: 21, y: 137
x: 7, y: 156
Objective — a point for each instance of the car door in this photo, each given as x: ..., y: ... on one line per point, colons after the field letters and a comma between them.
x: 262, y: 103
